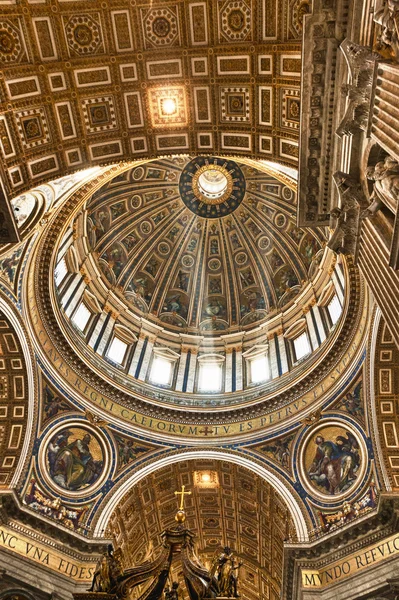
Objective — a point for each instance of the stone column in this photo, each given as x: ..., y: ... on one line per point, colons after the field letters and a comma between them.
x: 147, y: 357
x: 150, y: 333
x: 283, y: 352
x: 319, y: 322
x: 190, y: 343
x: 239, y: 374
x: 311, y: 327
x: 383, y: 281
x: 97, y: 330
x: 384, y: 112
x: 192, y: 370
x: 75, y: 299
x: 233, y: 341
x: 228, y: 381
x: 182, y: 368
x: 273, y: 357
x: 107, y: 333
x: 137, y: 353
x: 65, y: 245
x: 67, y: 291
x: 337, y: 286
x: 339, y: 272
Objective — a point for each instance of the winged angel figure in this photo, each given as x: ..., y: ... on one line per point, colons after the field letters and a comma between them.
x: 352, y: 401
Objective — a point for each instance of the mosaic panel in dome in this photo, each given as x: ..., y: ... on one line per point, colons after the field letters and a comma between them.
x: 74, y: 458
x: 332, y: 460
x: 208, y: 262
x: 53, y: 403
x: 352, y: 402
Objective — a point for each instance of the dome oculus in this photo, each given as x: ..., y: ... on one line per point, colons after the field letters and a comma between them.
x: 212, y: 187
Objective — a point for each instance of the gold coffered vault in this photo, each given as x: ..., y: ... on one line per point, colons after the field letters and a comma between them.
x: 123, y: 80
x: 199, y: 314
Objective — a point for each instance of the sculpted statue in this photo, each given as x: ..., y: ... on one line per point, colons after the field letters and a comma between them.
x: 225, y: 569
x: 343, y: 240
x: 349, y: 190
x: 345, y: 218
x: 107, y: 570
x: 387, y: 17
x: 357, y: 112
x: 360, y: 61
x: 385, y: 176
x: 172, y: 593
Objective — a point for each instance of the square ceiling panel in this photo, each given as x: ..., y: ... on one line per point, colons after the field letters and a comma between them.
x: 168, y: 106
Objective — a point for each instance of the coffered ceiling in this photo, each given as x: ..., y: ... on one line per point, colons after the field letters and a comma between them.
x: 88, y: 82
x: 228, y: 505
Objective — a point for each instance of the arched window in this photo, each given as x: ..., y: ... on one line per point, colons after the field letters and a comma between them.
x: 163, y: 366
x: 301, y: 345
x: 117, y: 350
x: 334, y: 309
x: 60, y: 271
x: 298, y: 337
x: 210, y: 376
x: 257, y: 364
x: 81, y: 316
x: 122, y: 341
x: 331, y: 304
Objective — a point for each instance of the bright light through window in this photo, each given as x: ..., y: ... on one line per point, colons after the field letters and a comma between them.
x: 60, y: 271
x: 335, y: 309
x: 259, y: 369
x: 301, y: 345
x: 210, y: 377
x: 81, y: 317
x: 161, y: 371
x: 117, y: 350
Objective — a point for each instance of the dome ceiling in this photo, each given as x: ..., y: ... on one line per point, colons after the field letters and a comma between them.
x: 121, y: 248
x: 152, y: 246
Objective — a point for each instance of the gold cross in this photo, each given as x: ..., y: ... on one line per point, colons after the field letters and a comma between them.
x: 182, y: 494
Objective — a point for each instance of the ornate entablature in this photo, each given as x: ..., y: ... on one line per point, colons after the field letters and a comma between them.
x: 87, y: 84
x: 324, y: 29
